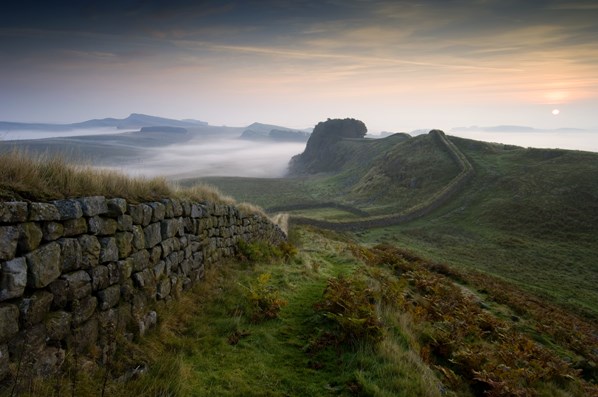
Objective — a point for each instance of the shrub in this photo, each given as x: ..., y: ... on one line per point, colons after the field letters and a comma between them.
x: 265, y: 251
x: 351, y: 305
x: 264, y: 300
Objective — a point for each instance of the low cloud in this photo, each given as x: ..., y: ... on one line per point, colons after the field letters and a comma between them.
x: 221, y: 157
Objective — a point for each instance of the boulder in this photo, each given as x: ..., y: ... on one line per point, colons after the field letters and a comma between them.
x: 43, y: 212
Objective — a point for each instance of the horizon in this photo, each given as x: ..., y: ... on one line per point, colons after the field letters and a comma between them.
x: 396, y: 65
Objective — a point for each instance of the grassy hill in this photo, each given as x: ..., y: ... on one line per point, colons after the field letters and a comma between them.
x: 527, y: 215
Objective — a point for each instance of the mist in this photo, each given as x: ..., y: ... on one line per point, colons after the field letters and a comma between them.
x: 586, y: 140
x: 216, y: 157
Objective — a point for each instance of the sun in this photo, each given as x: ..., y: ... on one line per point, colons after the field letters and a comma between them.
x: 555, y: 112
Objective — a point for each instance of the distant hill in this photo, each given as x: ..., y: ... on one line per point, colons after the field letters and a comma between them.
x: 260, y: 132
x: 133, y: 121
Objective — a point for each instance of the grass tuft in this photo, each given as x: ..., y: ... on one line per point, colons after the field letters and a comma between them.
x: 44, y: 177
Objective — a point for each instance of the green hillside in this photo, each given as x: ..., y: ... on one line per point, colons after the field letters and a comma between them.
x: 527, y: 215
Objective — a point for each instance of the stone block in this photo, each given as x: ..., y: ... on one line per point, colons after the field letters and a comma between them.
x: 13, y: 211
x: 78, y: 285
x: 13, y: 278
x: 109, y: 297
x: 90, y: 251
x: 71, y: 253
x: 138, y: 237
x: 144, y: 279
x: 83, y: 309
x: 197, y: 211
x: 59, y: 289
x: 147, y: 214
x: 141, y: 260
x: 114, y: 272
x: 68, y: 209
x: 100, y: 277
x: 155, y: 255
x: 125, y: 223
x: 185, y: 208
x: 102, y: 226
x: 177, y: 208
x: 43, y: 265
x: 116, y: 207
x: 160, y: 270
x: 9, y: 238
x: 109, y: 250
x: 9, y: 321
x: 125, y: 269
x: 169, y: 228
x: 124, y: 243
x: 58, y: 325
x: 152, y: 234
x: 94, y: 205
x: 167, y: 246
x: 35, y: 308
x: 168, y: 208
x: 158, y: 211
x: 52, y: 231
x: 163, y: 290
x: 75, y: 227
x: 43, y: 212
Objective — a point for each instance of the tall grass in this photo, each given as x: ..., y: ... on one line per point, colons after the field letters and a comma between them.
x: 24, y: 176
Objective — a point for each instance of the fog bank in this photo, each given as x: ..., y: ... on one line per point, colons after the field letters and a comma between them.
x: 220, y: 157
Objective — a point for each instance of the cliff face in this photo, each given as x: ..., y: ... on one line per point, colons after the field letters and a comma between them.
x: 320, y: 153
x: 72, y: 269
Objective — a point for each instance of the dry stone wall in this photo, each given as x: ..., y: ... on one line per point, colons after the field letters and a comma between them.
x: 74, y: 271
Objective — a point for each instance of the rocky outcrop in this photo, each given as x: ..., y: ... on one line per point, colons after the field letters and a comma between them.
x: 70, y: 269
x: 321, y: 153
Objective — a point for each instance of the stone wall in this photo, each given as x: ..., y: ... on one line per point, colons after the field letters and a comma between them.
x: 75, y: 272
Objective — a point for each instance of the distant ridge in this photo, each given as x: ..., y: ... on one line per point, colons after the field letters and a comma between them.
x: 133, y: 121
x: 260, y: 132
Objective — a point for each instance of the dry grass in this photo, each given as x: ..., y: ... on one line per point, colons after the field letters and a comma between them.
x: 41, y: 178
x: 282, y: 220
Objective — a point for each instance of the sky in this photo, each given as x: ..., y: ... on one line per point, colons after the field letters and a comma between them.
x: 396, y: 65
